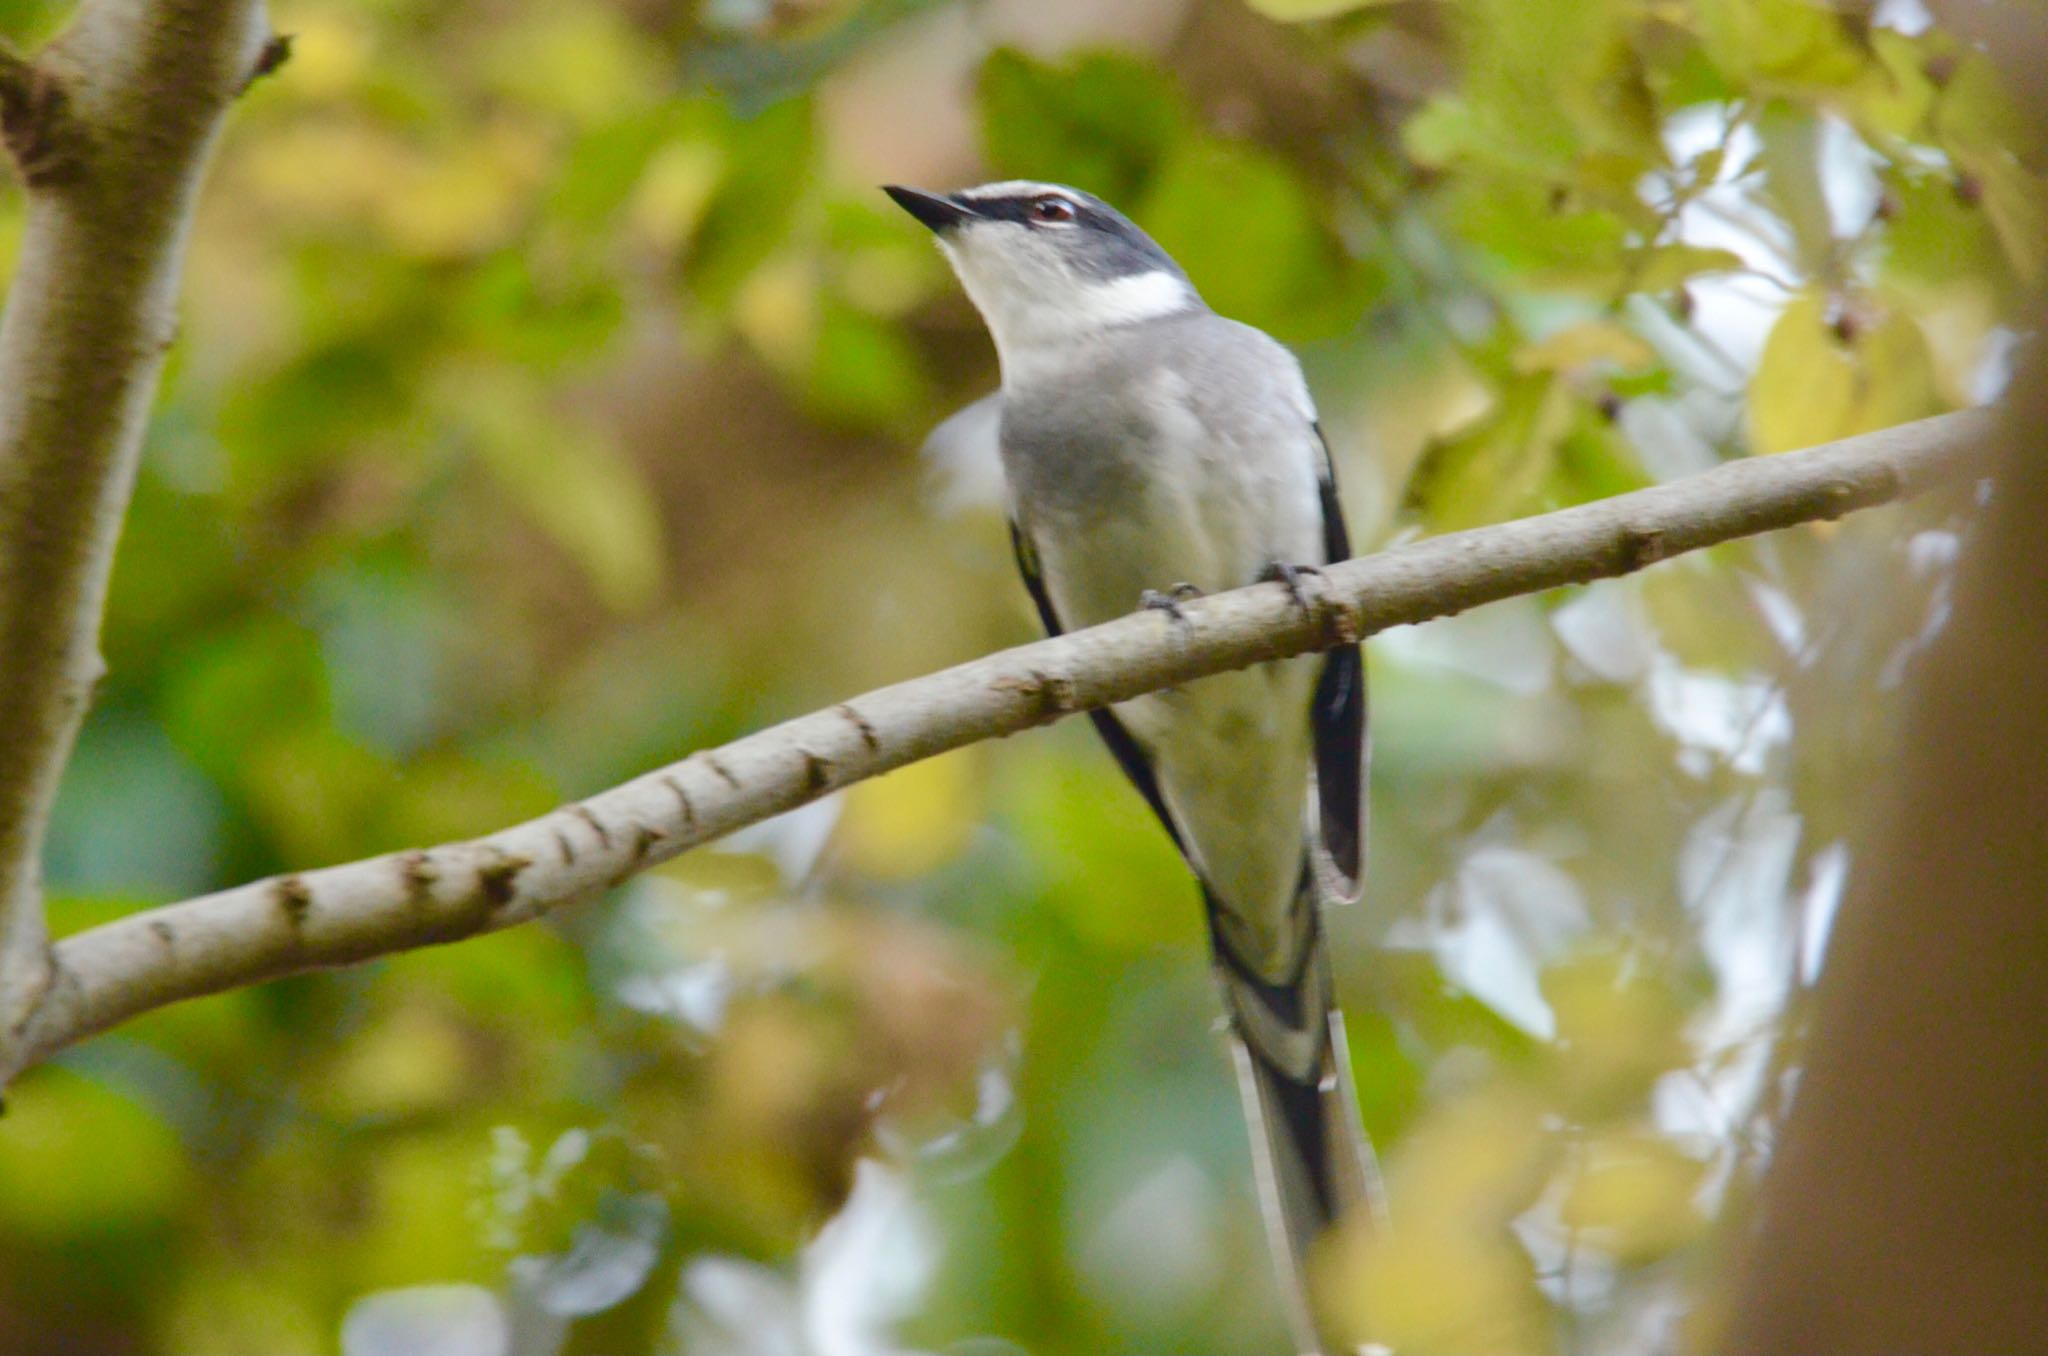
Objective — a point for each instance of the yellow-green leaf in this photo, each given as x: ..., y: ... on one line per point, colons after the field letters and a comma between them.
x: 78, y: 1158
x: 1435, y: 1293
x: 1493, y: 470
x: 1589, y: 343
x: 1976, y: 110
x: 1794, y: 44
x: 913, y: 821
x: 1670, y: 265
x: 1099, y: 122
x: 1553, y: 92
x: 1272, y: 219
x: 1893, y: 96
x: 1618, y: 1029
x: 2015, y: 200
x: 1635, y: 1195
x: 573, y: 483
x: 1818, y: 381
x: 1301, y: 11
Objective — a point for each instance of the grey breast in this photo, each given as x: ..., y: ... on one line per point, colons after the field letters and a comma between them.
x: 1079, y: 441
x: 1193, y: 414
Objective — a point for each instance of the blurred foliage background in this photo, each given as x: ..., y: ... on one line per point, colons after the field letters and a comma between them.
x: 549, y: 404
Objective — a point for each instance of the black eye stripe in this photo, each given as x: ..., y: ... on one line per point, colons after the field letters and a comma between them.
x: 1024, y: 208
x: 1099, y: 240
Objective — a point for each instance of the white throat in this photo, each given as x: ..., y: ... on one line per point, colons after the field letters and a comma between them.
x: 1038, y: 328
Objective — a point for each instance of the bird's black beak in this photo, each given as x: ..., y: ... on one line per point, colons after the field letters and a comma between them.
x: 941, y: 214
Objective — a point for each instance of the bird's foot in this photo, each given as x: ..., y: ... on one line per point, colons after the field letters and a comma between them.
x: 1152, y: 600
x: 1291, y: 576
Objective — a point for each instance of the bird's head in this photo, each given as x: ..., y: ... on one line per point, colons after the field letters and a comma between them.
x: 1046, y: 265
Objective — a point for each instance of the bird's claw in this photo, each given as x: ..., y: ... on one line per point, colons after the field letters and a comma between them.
x: 1290, y: 576
x: 1153, y: 600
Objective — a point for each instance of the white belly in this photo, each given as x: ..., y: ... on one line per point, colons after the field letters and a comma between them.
x: 1231, y: 754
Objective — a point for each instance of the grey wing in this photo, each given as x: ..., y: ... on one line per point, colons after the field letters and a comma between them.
x: 1130, y: 756
x: 1338, y: 717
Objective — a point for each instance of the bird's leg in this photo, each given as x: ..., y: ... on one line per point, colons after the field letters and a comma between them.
x: 1152, y: 600
x: 1281, y: 572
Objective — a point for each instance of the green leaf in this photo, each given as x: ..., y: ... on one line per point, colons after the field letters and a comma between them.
x: 1099, y: 123
x: 506, y: 308
x: 1934, y: 237
x: 584, y: 62
x: 1266, y: 260
x: 449, y: 797
x: 226, y: 692
x: 768, y: 168
x: 1804, y: 383
x: 864, y: 374
x: 1058, y: 799
x: 1441, y: 131
x: 1548, y: 91
x: 1594, y: 461
x: 26, y: 23
x: 276, y: 427
x: 316, y: 794
x: 603, y: 165
x: 875, y: 264
x: 177, y: 566
x: 1530, y: 237
x: 78, y: 1158
x: 413, y: 1212
x: 1389, y: 1076
x: 1789, y: 45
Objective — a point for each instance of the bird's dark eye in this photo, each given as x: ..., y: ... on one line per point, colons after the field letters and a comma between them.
x: 1052, y: 209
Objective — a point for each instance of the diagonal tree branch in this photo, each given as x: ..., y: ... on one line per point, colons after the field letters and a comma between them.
x: 109, y: 128
x: 349, y: 913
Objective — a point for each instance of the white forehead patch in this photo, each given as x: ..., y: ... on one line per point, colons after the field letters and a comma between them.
x: 1018, y: 188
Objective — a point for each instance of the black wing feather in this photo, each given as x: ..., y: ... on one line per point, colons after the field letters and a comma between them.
x: 1338, y: 713
x: 1130, y: 755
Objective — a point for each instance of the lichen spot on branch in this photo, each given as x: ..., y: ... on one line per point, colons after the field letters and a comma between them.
x: 295, y: 897
x: 498, y: 879
x: 46, y: 144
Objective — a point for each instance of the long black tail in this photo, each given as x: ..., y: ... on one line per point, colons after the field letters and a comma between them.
x: 1314, y: 1167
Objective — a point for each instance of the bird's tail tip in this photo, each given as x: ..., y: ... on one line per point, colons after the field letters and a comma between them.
x: 1316, y: 1175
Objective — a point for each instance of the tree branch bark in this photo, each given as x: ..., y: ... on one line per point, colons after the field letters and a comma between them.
x: 1906, y: 1206
x: 349, y: 913
x: 109, y: 128
x: 1906, y: 1203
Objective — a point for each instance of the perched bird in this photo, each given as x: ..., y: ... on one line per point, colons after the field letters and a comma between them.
x: 1153, y: 450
